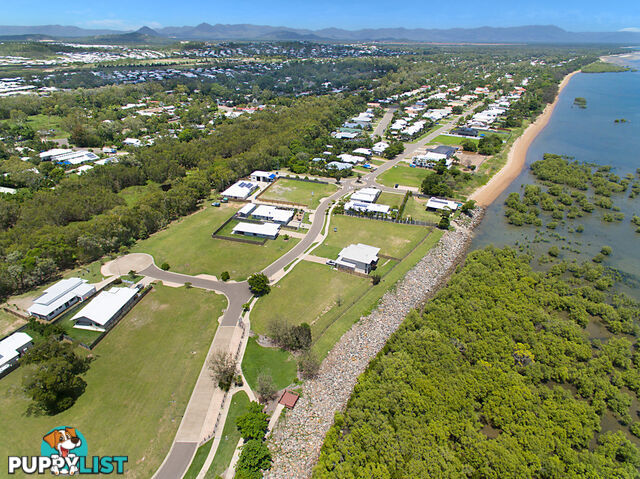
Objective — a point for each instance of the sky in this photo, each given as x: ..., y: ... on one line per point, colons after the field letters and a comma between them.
x: 573, y: 15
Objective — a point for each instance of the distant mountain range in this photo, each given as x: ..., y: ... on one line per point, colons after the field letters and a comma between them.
x: 205, y: 31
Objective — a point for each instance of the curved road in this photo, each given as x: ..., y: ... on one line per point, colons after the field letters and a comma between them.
x: 185, y: 445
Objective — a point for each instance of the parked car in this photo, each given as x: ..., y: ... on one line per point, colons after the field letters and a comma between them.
x: 215, y: 203
x: 331, y: 262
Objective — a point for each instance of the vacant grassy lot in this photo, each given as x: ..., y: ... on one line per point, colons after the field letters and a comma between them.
x: 416, y: 209
x: 137, y: 387
x: 301, y: 192
x: 133, y: 194
x: 305, y: 295
x: 9, y: 323
x: 188, y: 247
x: 450, y: 140
x: 403, y: 175
x: 230, y: 435
x: 278, y: 364
x: 393, y: 239
x: 391, y: 199
x: 48, y: 122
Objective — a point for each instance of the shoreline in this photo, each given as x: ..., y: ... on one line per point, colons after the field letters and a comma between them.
x: 517, y: 156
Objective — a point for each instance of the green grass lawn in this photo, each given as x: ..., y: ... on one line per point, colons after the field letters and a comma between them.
x: 336, y: 326
x: 198, y: 460
x: 188, y: 247
x: 133, y: 194
x: 48, y: 122
x: 137, y: 387
x: 393, y: 239
x: 403, y: 175
x: 230, y: 435
x: 278, y: 364
x: 306, y: 295
x: 391, y: 199
x: 301, y: 192
x: 450, y: 140
x: 416, y: 209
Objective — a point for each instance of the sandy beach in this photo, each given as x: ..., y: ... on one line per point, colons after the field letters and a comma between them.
x: 486, y: 194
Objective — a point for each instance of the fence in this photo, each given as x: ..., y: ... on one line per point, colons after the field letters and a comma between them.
x: 121, y: 314
x: 406, y: 221
x: 215, y: 234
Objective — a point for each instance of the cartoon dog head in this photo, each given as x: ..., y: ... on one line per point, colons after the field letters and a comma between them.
x: 63, y: 440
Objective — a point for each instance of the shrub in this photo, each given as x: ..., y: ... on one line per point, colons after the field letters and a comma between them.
x: 225, y: 276
x: 308, y: 365
x: 375, y: 278
x: 259, y: 284
x: 165, y: 266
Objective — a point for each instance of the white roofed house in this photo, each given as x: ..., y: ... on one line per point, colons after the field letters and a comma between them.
x: 379, y: 147
x: 364, y: 207
x: 264, y: 176
x: 67, y: 156
x: 273, y: 214
x: 353, y: 159
x: 132, y: 142
x: 265, y: 230
x: 101, y: 313
x: 60, y: 297
x: 246, y: 210
x: 441, y: 204
x: 366, y: 152
x: 11, y: 348
x: 358, y: 257
x: 366, y: 195
x: 240, y: 190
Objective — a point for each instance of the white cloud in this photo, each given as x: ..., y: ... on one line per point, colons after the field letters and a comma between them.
x: 631, y: 29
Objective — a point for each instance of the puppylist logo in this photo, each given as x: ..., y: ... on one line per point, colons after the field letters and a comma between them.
x: 64, y: 451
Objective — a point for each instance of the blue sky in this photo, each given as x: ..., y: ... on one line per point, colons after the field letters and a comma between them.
x: 574, y: 15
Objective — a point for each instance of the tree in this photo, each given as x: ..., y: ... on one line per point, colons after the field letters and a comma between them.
x: 266, y: 389
x: 254, y: 458
x: 253, y: 424
x: 53, y: 378
x: 225, y: 276
x: 434, y: 184
x: 445, y: 222
x: 468, y: 206
x: 223, y: 369
x: 469, y: 145
x: 259, y: 284
x: 375, y: 278
x: 309, y: 365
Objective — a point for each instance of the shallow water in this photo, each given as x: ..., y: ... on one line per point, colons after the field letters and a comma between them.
x: 589, y: 135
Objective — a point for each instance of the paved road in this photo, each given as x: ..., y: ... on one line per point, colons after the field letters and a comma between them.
x: 182, y: 451
x: 384, y: 122
x: 237, y: 293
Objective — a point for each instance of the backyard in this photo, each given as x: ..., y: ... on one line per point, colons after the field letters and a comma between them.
x: 451, y: 140
x: 416, y: 208
x: 301, y: 192
x: 133, y: 398
x: 187, y: 246
x: 403, y: 175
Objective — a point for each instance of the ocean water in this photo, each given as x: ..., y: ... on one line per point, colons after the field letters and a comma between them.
x: 589, y: 135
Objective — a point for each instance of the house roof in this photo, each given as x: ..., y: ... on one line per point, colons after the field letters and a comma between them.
x: 368, y: 195
x: 363, y: 206
x: 360, y: 253
x: 266, y: 229
x: 246, y: 209
x: 274, y: 214
x: 57, y: 290
x: 263, y: 174
x: 240, y: 189
x: 444, y: 150
x: 106, y: 305
x: 440, y: 204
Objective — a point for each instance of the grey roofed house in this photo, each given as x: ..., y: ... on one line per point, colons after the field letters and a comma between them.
x: 60, y: 297
x: 465, y: 131
x: 359, y: 257
x: 339, y: 165
x: 449, y: 151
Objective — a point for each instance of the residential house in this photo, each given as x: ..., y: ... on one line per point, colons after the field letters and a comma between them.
x: 441, y: 204
x: 240, y: 190
x: 103, y: 311
x: 264, y: 176
x: 273, y: 214
x: 60, y: 297
x: 11, y: 348
x: 358, y: 257
x: 264, y: 230
x: 366, y: 195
